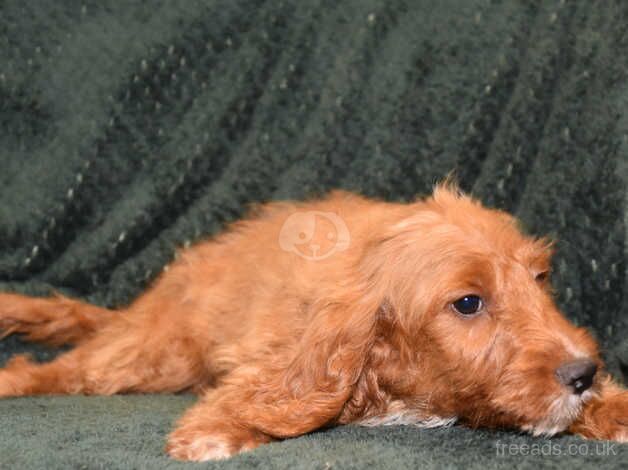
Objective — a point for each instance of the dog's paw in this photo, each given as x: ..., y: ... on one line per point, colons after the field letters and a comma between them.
x: 614, y: 430
x: 613, y: 418
x: 605, y: 419
x: 205, y: 443
x: 198, y: 447
x: 617, y: 410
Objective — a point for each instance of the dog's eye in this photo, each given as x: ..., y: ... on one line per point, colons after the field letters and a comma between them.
x: 542, y: 276
x: 468, y: 305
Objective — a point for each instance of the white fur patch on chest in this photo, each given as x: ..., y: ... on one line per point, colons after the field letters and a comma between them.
x: 408, y: 418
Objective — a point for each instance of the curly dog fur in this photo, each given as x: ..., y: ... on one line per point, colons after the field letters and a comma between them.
x: 339, y: 310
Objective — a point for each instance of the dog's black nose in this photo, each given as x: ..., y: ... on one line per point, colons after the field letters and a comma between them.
x: 577, y: 374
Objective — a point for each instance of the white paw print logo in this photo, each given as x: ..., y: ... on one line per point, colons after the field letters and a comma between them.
x: 314, y: 235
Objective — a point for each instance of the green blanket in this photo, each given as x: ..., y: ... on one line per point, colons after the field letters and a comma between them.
x: 129, y: 128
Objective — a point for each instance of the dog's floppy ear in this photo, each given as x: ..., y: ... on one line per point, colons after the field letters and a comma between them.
x: 312, y: 390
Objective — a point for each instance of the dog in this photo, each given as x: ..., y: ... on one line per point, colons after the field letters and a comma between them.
x: 333, y: 311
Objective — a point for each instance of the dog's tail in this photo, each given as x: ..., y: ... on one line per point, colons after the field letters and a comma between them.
x: 55, y: 320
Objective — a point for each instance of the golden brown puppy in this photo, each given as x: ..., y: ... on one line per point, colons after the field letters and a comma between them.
x: 342, y: 310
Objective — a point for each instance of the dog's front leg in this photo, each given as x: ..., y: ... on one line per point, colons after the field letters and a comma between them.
x: 288, y: 390
x: 605, y: 416
x: 212, y: 429
x: 234, y: 418
x: 255, y: 405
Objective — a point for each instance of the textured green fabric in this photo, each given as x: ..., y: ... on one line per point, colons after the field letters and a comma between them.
x: 127, y: 432
x: 128, y: 128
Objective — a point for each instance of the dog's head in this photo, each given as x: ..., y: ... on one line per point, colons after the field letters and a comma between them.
x: 467, y: 328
